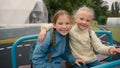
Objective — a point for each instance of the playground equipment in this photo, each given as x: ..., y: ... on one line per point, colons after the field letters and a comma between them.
x: 109, y: 64
x: 30, y: 37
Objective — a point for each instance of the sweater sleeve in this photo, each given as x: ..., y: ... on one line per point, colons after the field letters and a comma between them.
x: 40, y: 53
x: 98, y: 46
x: 46, y: 26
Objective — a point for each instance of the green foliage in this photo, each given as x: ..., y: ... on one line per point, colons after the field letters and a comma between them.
x: 99, y: 6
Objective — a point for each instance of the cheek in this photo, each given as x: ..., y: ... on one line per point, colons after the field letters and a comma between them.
x: 69, y: 26
x: 77, y: 21
x: 88, y: 23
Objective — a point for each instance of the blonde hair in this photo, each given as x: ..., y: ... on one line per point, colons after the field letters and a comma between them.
x: 84, y: 8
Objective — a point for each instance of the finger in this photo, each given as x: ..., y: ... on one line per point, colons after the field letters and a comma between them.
x: 78, y: 64
x: 83, y: 63
x: 118, y: 50
x: 113, y: 52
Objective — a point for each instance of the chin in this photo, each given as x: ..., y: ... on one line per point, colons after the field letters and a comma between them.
x: 64, y: 34
x: 82, y: 28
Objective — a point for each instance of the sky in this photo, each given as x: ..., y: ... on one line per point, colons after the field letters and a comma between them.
x: 110, y: 2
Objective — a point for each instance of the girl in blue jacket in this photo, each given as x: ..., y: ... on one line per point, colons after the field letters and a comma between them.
x: 55, y: 47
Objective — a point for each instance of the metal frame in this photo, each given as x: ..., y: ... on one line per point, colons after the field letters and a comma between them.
x: 29, y: 37
x: 109, y: 64
x: 14, y: 46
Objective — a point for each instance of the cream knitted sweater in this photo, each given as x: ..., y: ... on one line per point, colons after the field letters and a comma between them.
x: 80, y: 45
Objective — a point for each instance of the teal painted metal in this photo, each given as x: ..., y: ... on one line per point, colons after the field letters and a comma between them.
x: 29, y: 37
x: 111, y: 41
x: 109, y: 64
x: 15, y: 44
x: 108, y: 33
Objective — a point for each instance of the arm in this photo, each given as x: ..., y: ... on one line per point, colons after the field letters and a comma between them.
x: 46, y: 26
x: 40, y: 52
x: 98, y: 46
x: 44, y: 29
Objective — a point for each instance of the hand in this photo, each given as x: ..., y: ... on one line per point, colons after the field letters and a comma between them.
x: 42, y: 35
x: 114, y: 50
x: 118, y: 50
x: 79, y: 61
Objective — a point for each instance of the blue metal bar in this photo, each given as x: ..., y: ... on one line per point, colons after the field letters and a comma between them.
x: 108, y: 34
x: 13, y: 51
x: 109, y: 64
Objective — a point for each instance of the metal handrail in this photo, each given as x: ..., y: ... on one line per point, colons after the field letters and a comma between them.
x: 14, y: 46
x: 108, y: 33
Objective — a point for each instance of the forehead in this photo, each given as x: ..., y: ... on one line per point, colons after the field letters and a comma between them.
x: 85, y: 14
x: 64, y: 16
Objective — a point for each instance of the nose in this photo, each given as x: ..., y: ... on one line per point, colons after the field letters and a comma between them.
x: 64, y: 26
x: 84, y: 21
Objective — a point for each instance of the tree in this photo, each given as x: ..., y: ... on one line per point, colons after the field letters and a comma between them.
x: 115, y: 8
x: 100, y: 7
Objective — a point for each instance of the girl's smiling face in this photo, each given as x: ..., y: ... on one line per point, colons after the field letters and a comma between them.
x: 63, y: 24
x: 83, y: 19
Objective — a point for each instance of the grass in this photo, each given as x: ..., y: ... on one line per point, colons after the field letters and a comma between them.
x: 9, y: 40
x: 12, y: 40
x: 115, y: 32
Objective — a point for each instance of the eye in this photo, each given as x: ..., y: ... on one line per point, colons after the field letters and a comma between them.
x: 88, y: 20
x: 60, y: 23
x: 81, y: 19
x: 67, y: 23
